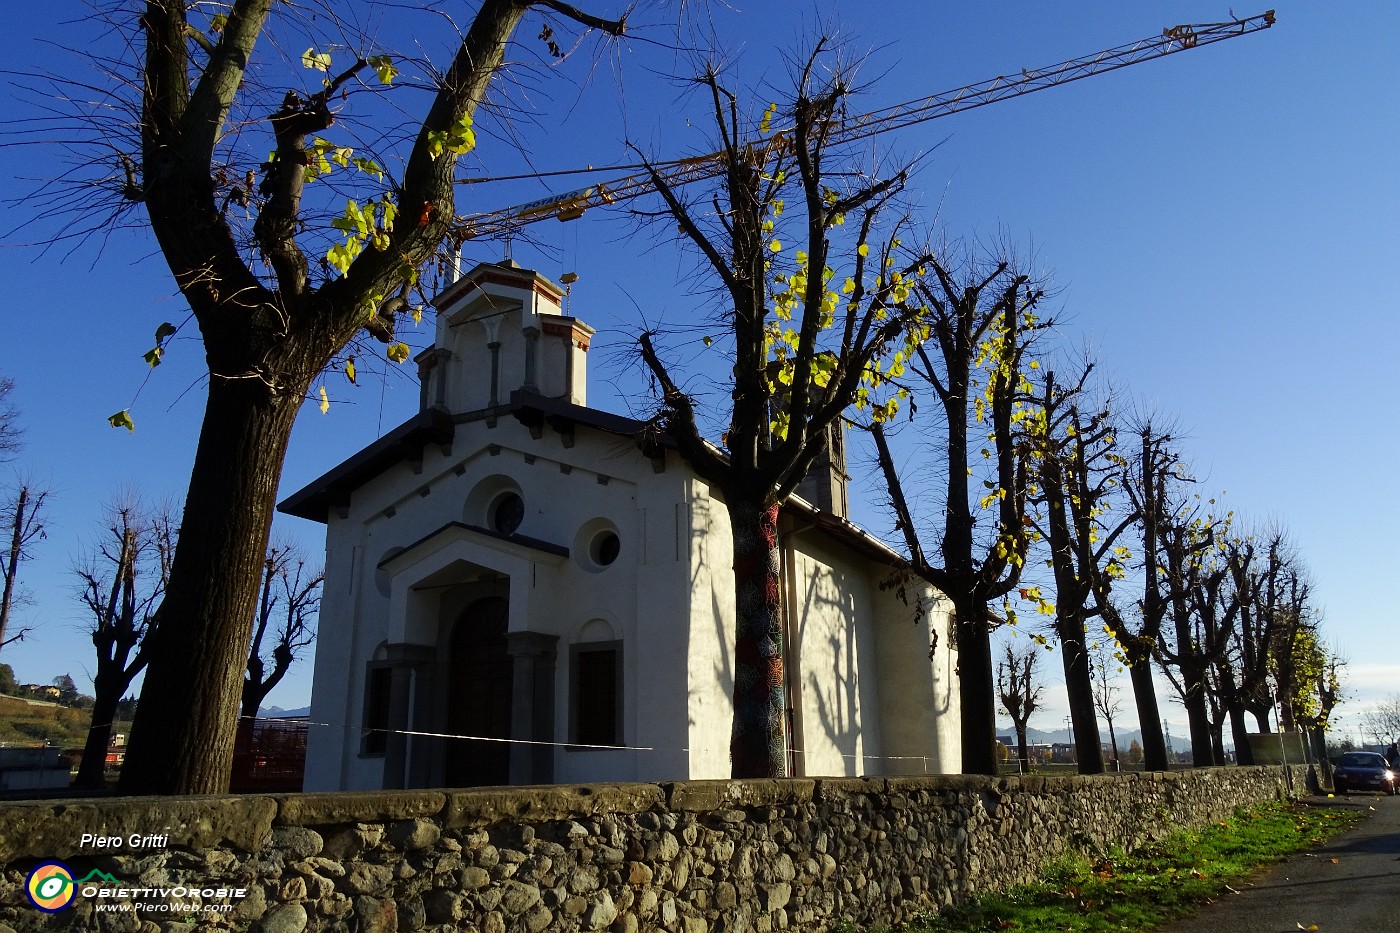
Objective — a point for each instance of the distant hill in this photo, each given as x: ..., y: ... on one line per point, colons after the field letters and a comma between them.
x: 277, y: 712
x: 1125, y: 738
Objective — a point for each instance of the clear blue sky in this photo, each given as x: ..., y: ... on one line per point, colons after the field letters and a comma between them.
x: 1221, y: 226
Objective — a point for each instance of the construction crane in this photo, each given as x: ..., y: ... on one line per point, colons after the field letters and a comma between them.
x: 571, y: 205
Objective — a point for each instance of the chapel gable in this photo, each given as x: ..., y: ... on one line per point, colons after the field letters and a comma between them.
x: 501, y: 328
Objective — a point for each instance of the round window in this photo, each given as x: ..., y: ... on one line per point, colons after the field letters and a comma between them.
x: 604, y: 548
x: 508, y: 513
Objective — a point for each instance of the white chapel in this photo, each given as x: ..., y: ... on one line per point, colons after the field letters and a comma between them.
x: 521, y: 589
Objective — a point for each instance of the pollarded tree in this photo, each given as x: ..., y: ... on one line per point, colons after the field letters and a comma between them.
x: 808, y: 342
x: 1106, y: 690
x: 1202, y: 607
x: 982, y: 319
x: 1076, y: 464
x: 287, y: 607
x: 21, y: 524
x: 1019, y: 691
x: 276, y: 287
x: 1265, y: 575
x: 1148, y: 477
x: 123, y: 580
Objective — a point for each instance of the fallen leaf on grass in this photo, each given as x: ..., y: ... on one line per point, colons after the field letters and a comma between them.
x: 1311, y: 928
x: 1334, y: 860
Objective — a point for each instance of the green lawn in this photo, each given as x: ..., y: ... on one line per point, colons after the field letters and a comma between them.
x: 1144, y: 889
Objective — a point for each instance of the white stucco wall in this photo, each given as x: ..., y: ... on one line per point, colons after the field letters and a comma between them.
x: 835, y: 658
x: 868, y: 699
x: 709, y: 647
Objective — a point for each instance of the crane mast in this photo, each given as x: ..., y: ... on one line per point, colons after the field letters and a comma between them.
x: 572, y: 204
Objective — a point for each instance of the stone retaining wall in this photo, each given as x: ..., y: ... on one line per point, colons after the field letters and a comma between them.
x: 686, y: 857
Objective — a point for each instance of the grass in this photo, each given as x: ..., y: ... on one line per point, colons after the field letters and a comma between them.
x: 1146, y: 888
x: 24, y: 723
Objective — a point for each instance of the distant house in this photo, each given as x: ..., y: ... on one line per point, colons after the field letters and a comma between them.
x: 524, y: 589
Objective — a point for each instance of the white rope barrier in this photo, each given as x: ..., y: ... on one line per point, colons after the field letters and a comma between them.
x: 451, y: 736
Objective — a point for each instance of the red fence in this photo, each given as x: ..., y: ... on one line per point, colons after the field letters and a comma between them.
x: 269, y: 755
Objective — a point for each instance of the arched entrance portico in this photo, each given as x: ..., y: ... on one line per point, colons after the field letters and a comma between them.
x: 480, y: 696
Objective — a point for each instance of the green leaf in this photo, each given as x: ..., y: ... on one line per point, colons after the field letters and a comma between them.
x: 152, y: 356
x: 122, y: 419
x: 165, y: 330
x: 397, y: 352
x: 708, y: 340
x: 383, y: 66
x: 218, y: 22
x: 316, y: 61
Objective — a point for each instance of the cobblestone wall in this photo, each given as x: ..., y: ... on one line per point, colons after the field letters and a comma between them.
x: 686, y: 857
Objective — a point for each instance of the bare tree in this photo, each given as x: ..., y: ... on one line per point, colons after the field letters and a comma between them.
x: 1019, y: 691
x: 1107, y: 694
x: 9, y: 422
x: 1077, y: 468
x: 22, y: 522
x: 123, y: 581
x: 287, y: 607
x: 277, y: 284
x: 1202, y: 608
x: 1382, y: 720
x: 982, y: 319
x: 807, y: 344
x: 1147, y: 476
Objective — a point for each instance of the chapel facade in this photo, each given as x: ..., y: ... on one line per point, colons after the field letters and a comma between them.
x: 521, y: 589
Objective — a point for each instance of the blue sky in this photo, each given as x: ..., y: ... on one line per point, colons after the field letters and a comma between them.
x: 1220, y: 226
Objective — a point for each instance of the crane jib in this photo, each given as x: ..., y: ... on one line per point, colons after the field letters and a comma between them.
x: 571, y: 205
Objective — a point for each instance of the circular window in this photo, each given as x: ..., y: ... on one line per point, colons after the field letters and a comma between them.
x: 508, y: 513
x: 597, y: 545
x: 604, y: 548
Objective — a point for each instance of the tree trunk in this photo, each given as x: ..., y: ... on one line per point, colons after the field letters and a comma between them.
x: 757, y: 745
x: 977, y: 685
x: 1198, y: 719
x: 92, y: 769
x: 1021, y: 747
x: 1079, y: 687
x: 11, y: 569
x: 1154, y: 744
x: 1113, y: 743
x: 1239, y: 731
x: 199, y: 651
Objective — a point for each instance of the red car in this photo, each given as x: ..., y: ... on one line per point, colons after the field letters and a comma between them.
x: 1364, y: 771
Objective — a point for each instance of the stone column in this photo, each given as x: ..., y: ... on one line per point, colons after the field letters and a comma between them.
x: 532, y: 706
x: 404, y: 758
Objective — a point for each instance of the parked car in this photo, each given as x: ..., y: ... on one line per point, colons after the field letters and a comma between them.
x: 1364, y: 771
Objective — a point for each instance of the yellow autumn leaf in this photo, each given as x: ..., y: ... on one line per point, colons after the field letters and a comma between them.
x: 325, y: 401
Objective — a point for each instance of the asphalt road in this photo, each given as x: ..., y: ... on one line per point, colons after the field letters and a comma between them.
x: 1351, y: 885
